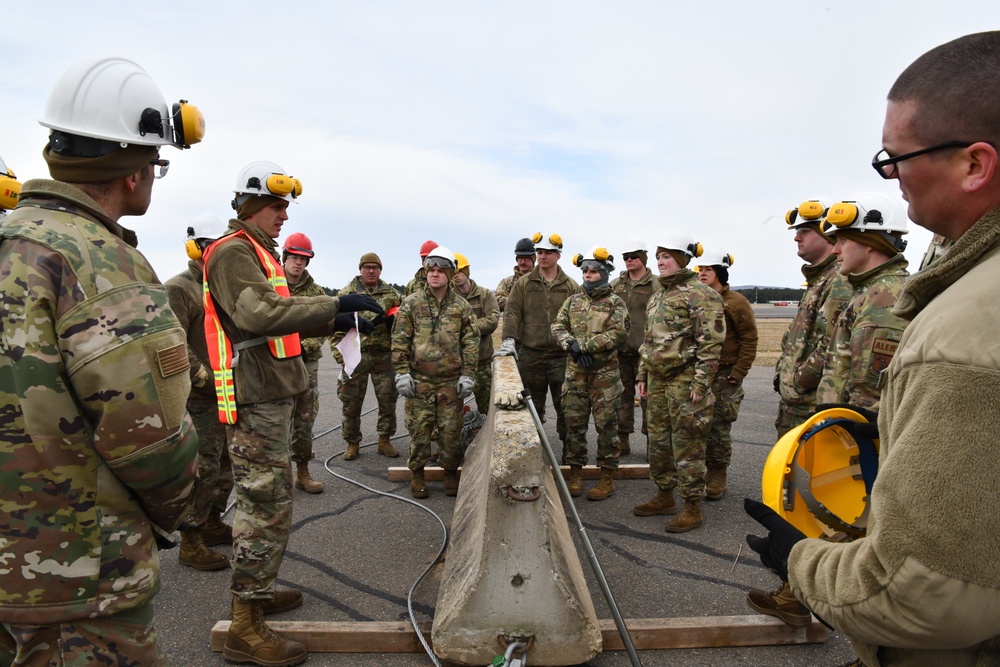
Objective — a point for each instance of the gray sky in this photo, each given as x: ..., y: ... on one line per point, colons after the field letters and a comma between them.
x: 477, y: 123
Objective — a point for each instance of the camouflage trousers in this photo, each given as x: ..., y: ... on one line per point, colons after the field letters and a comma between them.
x: 719, y: 448
x: 259, y: 449
x: 791, y: 415
x: 541, y: 372
x: 128, y: 638
x: 629, y: 368
x: 306, y: 409
x: 215, y: 472
x: 678, y: 430
x: 484, y: 384
x: 436, y: 408
x: 352, y: 396
x: 583, y: 393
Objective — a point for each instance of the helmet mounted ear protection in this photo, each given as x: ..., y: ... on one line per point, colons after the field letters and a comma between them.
x: 855, y: 215
x: 10, y: 188
x: 265, y: 178
x: 554, y: 242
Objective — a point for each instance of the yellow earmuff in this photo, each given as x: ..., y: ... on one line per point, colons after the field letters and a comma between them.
x: 281, y: 185
x: 696, y: 249
x: 189, y: 124
x: 601, y: 254
x: 729, y: 257
x: 536, y: 237
x: 811, y: 210
x: 790, y: 216
x: 10, y: 190
x: 577, y: 259
x: 842, y: 214
x: 556, y: 240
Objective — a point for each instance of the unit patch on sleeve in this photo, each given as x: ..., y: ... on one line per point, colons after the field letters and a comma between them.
x: 883, y: 350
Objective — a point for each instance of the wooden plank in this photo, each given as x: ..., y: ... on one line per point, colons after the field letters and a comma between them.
x: 647, y: 634
x: 436, y: 474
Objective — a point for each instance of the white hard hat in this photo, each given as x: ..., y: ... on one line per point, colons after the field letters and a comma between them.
x: 114, y: 101
x: 266, y: 178
x: 678, y: 239
x: 10, y: 187
x: 550, y: 242
x: 714, y: 257
x: 809, y: 212
x: 597, y: 256
x: 207, y: 225
x: 870, y: 212
x: 634, y: 245
x: 442, y: 257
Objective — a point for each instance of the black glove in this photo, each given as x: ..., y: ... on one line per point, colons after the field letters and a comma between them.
x: 352, y: 303
x: 574, y: 350
x: 585, y: 360
x: 777, y: 385
x: 343, y: 322
x: 389, y: 320
x: 781, y: 537
x: 364, y: 326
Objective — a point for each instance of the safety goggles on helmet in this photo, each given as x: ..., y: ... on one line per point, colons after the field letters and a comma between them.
x: 554, y: 242
x: 597, y: 258
x: 438, y: 261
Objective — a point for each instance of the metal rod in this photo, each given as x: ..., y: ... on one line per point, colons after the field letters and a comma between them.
x: 587, y: 546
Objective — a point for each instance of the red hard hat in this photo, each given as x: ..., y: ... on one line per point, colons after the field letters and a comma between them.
x: 298, y: 244
x: 426, y: 248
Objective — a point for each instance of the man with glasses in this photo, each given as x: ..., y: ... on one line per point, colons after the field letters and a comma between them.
x: 924, y: 586
x: 376, y: 362
x: 524, y: 258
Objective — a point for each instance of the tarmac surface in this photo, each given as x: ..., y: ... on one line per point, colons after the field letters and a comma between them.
x: 355, y: 554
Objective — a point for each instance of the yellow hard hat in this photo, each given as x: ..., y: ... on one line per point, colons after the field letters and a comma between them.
x: 461, y: 261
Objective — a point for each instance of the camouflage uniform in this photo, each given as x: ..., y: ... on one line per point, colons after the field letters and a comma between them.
x: 636, y: 295
x: 685, y: 328
x: 503, y: 289
x: 215, y: 472
x: 307, y: 403
x: 865, y: 337
x: 803, y: 347
x: 435, y: 343
x: 97, y: 448
x: 599, y: 323
x: 937, y: 249
x: 375, y: 362
x: 531, y: 308
x: 484, y: 307
x: 738, y: 352
x: 418, y: 282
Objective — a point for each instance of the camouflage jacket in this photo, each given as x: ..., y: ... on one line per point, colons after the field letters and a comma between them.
x: 418, y: 282
x: 865, y: 337
x: 636, y: 295
x: 598, y: 321
x: 249, y: 308
x: 532, y: 307
x: 503, y: 289
x: 740, y: 347
x: 187, y: 300
x: 377, y: 344
x: 685, y: 327
x: 804, y: 345
x: 312, y: 347
x: 96, y: 442
x: 435, y: 342
x: 487, y: 311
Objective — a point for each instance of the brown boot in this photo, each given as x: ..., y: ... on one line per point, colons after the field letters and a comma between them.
x: 351, y: 452
x: 689, y: 519
x: 780, y: 603
x: 624, y: 447
x: 385, y: 447
x: 251, y: 640
x: 451, y: 482
x: 284, y: 600
x: 194, y: 553
x: 603, y: 488
x: 662, y: 503
x: 575, y: 482
x: 418, y: 487
x: 216, y: 532
x: 304, y: 481
x: 715, y: 482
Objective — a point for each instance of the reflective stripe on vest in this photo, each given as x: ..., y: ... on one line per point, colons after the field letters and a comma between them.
x: 220, y: 349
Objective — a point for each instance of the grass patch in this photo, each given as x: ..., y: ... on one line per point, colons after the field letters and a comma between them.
x: 769, y: 333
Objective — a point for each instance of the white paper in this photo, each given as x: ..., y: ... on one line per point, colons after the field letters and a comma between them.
x: 350, y: 348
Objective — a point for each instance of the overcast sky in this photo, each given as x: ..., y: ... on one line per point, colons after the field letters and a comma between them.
x: 477, y: 123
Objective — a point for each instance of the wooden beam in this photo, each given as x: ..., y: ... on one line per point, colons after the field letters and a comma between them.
x: 436, y: 474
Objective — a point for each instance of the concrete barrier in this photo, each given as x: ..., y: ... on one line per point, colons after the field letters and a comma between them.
x: 512, y: 570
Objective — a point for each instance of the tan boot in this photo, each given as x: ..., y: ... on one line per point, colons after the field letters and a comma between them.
x: 385, y: 447
x: 304, y: 481
x: 575, y: 482
x: 603, y: 488
x: 251, y: 640
x: 662, y: 503
x: 418, y: 486
x: 194, y: 553
x: 715, y: 482
x: 216, y: 532
x: 781, y: 603
x: 451, y: 482
x: 687, y: 520
x: 284, y: 600
x: 624, y: 447
x: 351, y: 452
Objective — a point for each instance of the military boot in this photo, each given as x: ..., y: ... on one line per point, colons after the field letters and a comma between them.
x: 351, y: 452
x: 284, y: 600
x: 662, y: 503
x: 385, y: 447
x: 603, y: 488
x: 624, y: 447
x: 688, y: 519
x: 575, y: 482
x: 780, y: 603
x: 304, y: 481
x: 418, y: 487
x: 715, y: 482
x: 194, y: 553
x: 451, y: 482
x: 251, y: 640
x: 216, y: 532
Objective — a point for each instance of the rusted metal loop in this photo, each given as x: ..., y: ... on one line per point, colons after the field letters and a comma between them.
x: 504, y: 642
x: 530, y: 497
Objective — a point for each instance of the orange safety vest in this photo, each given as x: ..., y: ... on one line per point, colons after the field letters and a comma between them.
x: 220, y: 350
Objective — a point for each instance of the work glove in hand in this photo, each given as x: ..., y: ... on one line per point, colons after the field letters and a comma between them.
x: 405, y: 385
x: 465, y: 386
x: 352, y: 303
x: 781, y: 537
x: 383, y: 318
x: 343, y: 322
x: 511, y: 400
x: 585, y: 360
x: 574, y: 350
x: 506, y: 349
x: 365, y: 326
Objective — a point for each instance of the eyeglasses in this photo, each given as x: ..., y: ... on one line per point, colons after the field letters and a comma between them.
x: 630, y: 255
x: 370, y: 267
x: 164, y: 166
x: 885, y: 164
